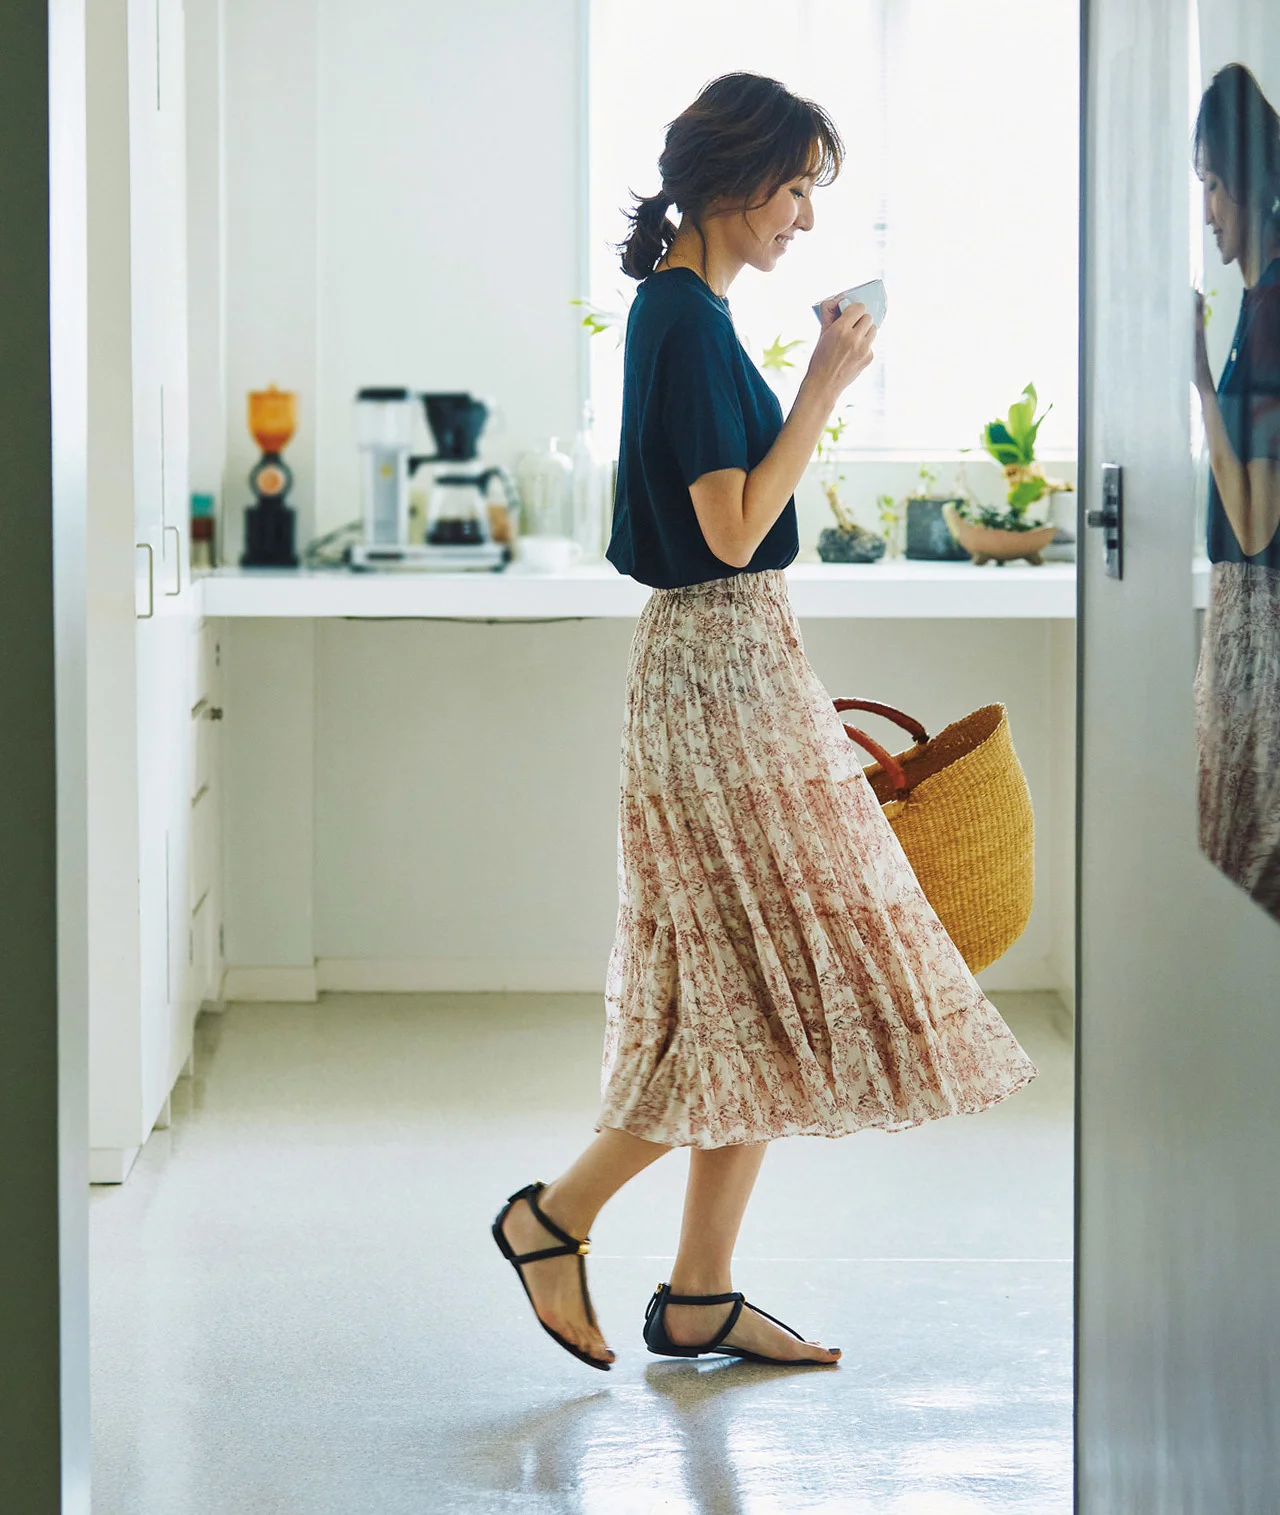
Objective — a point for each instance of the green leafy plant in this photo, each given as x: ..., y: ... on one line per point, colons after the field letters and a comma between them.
x: 1011, y: 441
x: 598, y: 319
x: 830, y: 438
x: 889, y: 513
x: 927, y: 481
x: 775, y: 355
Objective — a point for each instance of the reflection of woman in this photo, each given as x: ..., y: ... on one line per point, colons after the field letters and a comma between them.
x: 776, y: 969
x: 1238, y: 682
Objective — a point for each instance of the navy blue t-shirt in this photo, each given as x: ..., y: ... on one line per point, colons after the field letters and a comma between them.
x: 1249, y: 394
x: 692, y: 402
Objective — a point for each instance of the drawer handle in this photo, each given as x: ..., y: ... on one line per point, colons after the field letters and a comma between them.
x: 198, y: 709
x: 177, y: 562
x: 199, y: 795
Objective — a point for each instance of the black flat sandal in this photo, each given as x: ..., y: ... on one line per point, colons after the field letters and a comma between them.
x: 571, y: 1247
x: 661, y: 1345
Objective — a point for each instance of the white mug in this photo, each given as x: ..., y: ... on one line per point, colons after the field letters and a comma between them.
x: 548, y: 554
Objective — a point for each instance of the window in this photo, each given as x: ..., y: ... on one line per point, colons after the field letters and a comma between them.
x: 959, y: 190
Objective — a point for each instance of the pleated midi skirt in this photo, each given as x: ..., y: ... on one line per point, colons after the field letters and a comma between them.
x: 776, y: 969
x: 1237, y: 704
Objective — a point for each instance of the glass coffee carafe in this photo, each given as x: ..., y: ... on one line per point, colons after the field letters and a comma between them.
x: 457, y: 509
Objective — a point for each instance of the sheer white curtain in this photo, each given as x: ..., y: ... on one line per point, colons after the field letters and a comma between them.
x: 959, y: 190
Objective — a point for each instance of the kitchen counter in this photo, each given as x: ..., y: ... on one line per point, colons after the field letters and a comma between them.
x: 898, y: 590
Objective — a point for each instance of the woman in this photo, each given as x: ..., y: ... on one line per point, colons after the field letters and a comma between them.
x: 1237, y: 691
x: 776, y: 969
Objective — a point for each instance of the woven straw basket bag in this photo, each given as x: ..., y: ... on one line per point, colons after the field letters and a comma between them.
x: 960, y: 806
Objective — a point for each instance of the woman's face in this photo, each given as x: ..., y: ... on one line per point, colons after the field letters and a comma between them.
x: 1228, y: 218
x: 762, y: 236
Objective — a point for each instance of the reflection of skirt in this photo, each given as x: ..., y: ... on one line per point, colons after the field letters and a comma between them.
x: 776, y: 969
x: 1238, y: 728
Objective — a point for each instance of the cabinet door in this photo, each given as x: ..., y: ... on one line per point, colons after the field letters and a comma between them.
x: 165, y: 662
x: 146, y: 217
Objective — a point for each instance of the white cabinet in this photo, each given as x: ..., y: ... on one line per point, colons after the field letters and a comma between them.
x: 204, y: 870
x: 151, y: 839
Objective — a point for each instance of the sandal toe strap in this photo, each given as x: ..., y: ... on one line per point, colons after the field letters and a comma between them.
x: 775, y: 1320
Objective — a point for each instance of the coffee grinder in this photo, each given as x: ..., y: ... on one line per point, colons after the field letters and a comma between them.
x: 269, y: 524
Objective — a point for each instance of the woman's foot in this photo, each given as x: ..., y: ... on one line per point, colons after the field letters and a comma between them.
x: 554, y: 1282
x: 690, y: 1325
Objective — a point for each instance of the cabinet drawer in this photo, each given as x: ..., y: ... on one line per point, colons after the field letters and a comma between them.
x: 208, y: 661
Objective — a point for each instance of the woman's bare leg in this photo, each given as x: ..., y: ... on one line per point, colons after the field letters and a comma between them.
x: 573, y: 1201
x: 720, y: 1183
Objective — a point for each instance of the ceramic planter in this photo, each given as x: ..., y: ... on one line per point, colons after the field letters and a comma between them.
x: 928, y: 538
x: 988, y: 544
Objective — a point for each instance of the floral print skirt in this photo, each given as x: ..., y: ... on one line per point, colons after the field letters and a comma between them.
x: 776, y: 969
x: 1237, y: 695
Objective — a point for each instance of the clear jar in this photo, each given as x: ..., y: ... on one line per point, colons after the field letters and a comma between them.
x: 592, y: 494
x: 544, y: 480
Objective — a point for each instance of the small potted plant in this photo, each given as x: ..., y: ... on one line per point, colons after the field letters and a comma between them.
x: 889, y: 513
x: 928, y: 536
x: 1000, y: 536
x: 845, y: 542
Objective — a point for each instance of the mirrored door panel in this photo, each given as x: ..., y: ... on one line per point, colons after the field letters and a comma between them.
x: 1235, y: 158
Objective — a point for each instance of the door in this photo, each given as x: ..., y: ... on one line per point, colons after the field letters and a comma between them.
x: 1178, y: 1025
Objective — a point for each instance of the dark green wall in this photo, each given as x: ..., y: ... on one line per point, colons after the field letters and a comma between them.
x: 30, y: 1388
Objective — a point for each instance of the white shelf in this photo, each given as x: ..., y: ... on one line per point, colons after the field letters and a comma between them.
x: 899, y: 589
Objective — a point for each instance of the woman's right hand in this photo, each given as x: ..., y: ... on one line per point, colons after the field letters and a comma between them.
x: 844, y: 348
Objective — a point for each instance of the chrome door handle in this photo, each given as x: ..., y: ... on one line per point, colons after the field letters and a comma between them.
x: 177, y: 562
x: 151, y: 582
x: 1110, y: 519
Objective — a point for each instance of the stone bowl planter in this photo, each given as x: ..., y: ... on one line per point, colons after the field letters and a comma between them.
x: 988, y: 544
x: 837, y: 546
x: 928, y: 539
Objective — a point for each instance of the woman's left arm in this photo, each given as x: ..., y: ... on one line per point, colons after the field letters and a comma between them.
x: 1249, y: 488
x: 1250, y: 492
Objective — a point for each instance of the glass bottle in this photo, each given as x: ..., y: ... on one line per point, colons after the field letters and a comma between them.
x: 590, y: 490
x: 544, y: 480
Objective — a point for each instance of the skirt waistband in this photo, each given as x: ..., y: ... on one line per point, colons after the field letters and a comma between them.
x: 765, y: 582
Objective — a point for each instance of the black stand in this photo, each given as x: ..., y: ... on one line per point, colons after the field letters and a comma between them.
x: 268, y: 525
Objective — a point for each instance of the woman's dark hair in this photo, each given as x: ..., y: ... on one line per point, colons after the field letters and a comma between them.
x: 744, y: 136
x: 1238, y: 139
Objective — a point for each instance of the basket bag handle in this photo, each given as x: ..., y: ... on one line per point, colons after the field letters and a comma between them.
x: 887, y: 761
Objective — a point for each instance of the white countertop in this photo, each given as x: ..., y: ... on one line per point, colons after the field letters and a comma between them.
x: 901, y: 589
x: 898, y: 589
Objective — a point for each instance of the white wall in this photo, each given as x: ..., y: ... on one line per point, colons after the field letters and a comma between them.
x: 403, y: 207
x: 465, y: 789
x: 206, y: 244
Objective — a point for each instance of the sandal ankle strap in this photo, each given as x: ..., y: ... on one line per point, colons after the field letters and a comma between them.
x: 663, y: 1297
x: 702, y: 1299
x: 570, y: 1245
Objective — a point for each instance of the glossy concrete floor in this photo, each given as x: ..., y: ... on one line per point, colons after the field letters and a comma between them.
x: 298, y: 1310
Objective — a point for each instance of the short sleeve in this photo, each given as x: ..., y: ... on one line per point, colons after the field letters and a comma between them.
x: 701, y: 408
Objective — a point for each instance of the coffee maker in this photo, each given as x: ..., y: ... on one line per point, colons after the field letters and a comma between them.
x: 457, y: 533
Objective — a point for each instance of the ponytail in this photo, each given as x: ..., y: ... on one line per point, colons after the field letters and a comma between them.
x: 652, y: 233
